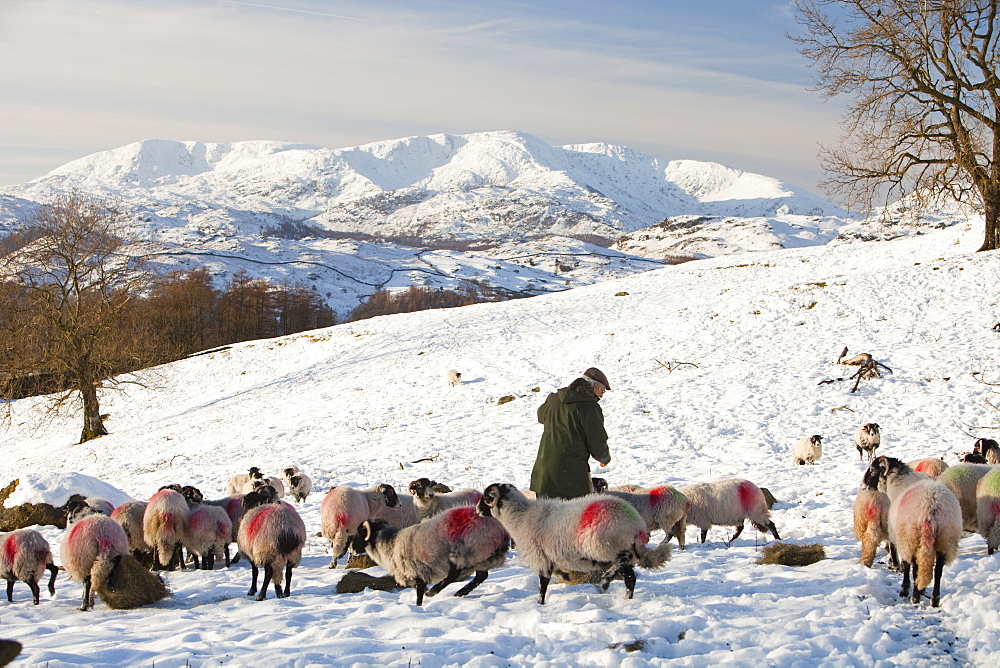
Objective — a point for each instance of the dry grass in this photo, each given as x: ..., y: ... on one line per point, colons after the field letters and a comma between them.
x: 787, y: 554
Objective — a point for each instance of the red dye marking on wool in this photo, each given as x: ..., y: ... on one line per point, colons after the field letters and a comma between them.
x: 103, y: 543
x: 255, y: 523
x: 594, y: 514
x: 9, y: 549
x: 341, y: 519
x: 658, y: 496
x: 872, y: 510
x: 747, y: 494
x: 921, y: 466
x: 995, y: 507
x: 460, y: 521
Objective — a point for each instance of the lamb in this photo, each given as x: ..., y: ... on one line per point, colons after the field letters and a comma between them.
x: 867, y: 438
x: 808, y: 449
x: 988, y: 449
x: 130, y: 515
x: 429, y: 503
x: 254, y: 485
x: 661, y: 508
x: 344, y: 508
x: 728, y: 502
x: 209, y: 531
x: 454, y: 377
x: 24, y: 556
x: 272, y: 535
x: 871, y: 523
x: 988, y: 509
x: 91, y: 538
x: 925, y: 523
x: 445, y: 548
x: 165, y: 526
x: 236, y: 483
x: 298, y: 483
x: 932, y: 466
x: 962, y: 479
x: 585, y: 534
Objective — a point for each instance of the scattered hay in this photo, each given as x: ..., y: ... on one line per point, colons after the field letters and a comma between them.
x: 505, y: 400
x: 123, y: 583
x: 788, y: 554
x: 636, y: 645
x: 579, y: 578
x: 355, y: 582
x: 360, y: 562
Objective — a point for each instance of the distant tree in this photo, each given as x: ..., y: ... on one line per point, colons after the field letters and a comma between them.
x: 183, y: 307
x: 925, y: 114
x: 67, y: 301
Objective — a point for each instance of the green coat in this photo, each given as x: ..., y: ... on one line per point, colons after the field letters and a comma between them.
x: 574, y: 432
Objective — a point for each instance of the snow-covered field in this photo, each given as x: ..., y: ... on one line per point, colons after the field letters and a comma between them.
x: 359, y: 403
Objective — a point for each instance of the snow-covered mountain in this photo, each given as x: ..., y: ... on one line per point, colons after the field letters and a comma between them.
x: 517, y: 212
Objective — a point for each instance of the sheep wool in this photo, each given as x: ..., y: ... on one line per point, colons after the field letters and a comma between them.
x: 662, y: 508
x: 728, y: 502
x: 932, y: 466
x: 91, y: 538
x: 344, y: 508
x: 988, y: 509
x: 808, y: 450
x: 25, y: 555
x: 209, y: 535
x: 871, y: 522
x: 962, y: 479
x: 165, y: 526
x: 272, y: 535
x: 130, y: 515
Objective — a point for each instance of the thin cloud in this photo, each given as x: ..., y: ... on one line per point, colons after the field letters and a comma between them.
x: 294, y: 10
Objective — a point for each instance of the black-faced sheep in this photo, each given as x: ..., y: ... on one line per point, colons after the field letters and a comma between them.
x: 254, y: 485
x: 871, y: 523
x: 585, y: 534
x: 233, y: 505
x: 344, y: 508
x: 932, y: 466
x: 664, y: 508
x: 925, y: 523
x: 237, y: 482
x: 429, y: 503
x: 165, y: 527
x: 962, y: 479
x: 271, y: 535
x: 91, y: 538
x: 454, y: 377
x: 988, y: 509
x: 445, y: 548
x: 988, y: 449
x: 867, y: 438
x: 25, y: 555
x: 728, y: 502
x: 807, y: 450
x: 298, y: 483
x: 209, y: 531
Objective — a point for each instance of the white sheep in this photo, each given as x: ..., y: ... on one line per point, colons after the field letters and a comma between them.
x: 454, y: 377
x: 344, y: 508
x: 585, y: 534
x: 429, y: 503
x: 925, y: 523
x: 165, y: 527
x: 91, y: 538
x: 871, y: 523
x: 254, y: 485
x: 233, y: 505
x: 728, y: 502
x: 444, y: 549
x: 662, y: 508
x: 271, y: 535
x: 867, y: 438
x: 102, y: 506
x: 238, y: 481
x: 988, y: 509
x: 25, y: 555
x: 932, y: 466
x: 298, y: 483
x: 808, y: 449
x: 962, y: 479
x: 209, y: 534
x: 130, y: 515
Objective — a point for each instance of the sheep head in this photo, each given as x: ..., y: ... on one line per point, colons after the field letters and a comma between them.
x: 192, y: 494
x: 255, y: 472
x: 368, y: 534
x: 421, y: 488
x: 600, y: 485
x: 493, y: 498
x: 388, y: 492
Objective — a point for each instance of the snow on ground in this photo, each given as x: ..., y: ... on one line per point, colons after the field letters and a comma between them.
x: 361, y: 402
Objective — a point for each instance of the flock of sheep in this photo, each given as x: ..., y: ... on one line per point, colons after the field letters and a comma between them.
x: 434, y: 537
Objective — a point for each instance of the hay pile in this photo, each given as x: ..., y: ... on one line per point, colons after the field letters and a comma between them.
x: 355, y: 582
x: 787, y: 554
x: 123, y: 583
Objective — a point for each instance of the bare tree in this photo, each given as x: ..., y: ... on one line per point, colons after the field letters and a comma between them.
x: 67, y: 301
x: 925, y: 113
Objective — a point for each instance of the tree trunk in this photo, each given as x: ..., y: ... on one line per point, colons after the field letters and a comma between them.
x: 93, y: 425
x: 992, y: 215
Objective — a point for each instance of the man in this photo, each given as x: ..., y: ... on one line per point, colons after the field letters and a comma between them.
x: 574, y: 432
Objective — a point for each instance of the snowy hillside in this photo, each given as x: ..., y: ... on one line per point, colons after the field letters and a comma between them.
x: 718, y: 367
x: 282, y: 210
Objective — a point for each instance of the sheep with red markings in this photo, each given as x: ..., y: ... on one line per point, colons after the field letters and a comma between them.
x: 585, y: 534
x: 209, y: 531
x: 728, y: 502
x: 344, y: 508
x: 925, y: 523
x: 962, y: 480
x: 89, y: 539
x: 988, y: 509
x: 443, y: 549
x: 664, y: 508
x: 165, y: 526
x: 429, y: 503
x: 25, y: 555
x: 932, y: 466
x: 271, y: 535
x: 130, y: 515
x: 871, y: 523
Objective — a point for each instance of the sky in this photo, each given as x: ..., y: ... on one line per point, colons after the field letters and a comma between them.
x: 716, y: 80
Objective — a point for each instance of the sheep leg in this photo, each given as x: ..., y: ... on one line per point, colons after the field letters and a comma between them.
x: 478, y: 579
x: 236, y: 557
x: 33, y: 586
x: 938, y: 570
x: 288, y: 580
x: 739, y: 530
x: 774, y: 530
x: 679, y: 528
x: 628, y: 575
x: 268, y: 574
x: 543, y: 586
x: 52, y: 581
x: 87, y: 603
x: 198, y: 563
x: 253, y: 583
x: 453, y: 574
x: 704, y: 535
x: 915, y: 596
x: 621, y: 562
x: 421, y: 589
x: 905, y: 591
x: 893, y: 557
x: 10, y: 590
x: 225, y: 550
